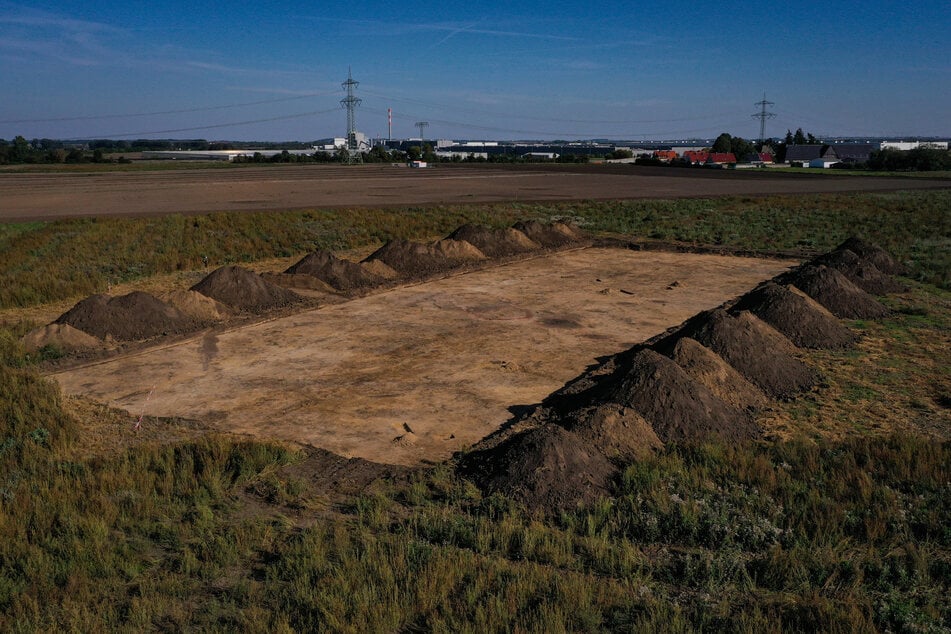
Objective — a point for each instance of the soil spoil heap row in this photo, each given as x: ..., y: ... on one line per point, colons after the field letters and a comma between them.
x: 709, y: 377
x: 139, y: 316
x: 405, y: 260
x: 232, y: 291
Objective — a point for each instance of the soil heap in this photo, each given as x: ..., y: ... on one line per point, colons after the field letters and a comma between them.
x: 861, y: 272
x: 550, y: 236
x: 495, y: 243
x: 546, y: 468
x: 709, y: 369
x: 340, y: 274
x: 244, y: 290
x: 417, y: 260
x: 834, y: 291
x: 764, y: 356
x: 793, y: 313
x: 874, y: 254
x: 130, y: 317
x: 677, y: 407
x: 619, y: 432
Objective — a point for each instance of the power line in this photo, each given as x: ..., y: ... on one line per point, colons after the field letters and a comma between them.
x: 561, y: 133
x: 206, y: 127
x: 457, y: 108
x: 166, y: 112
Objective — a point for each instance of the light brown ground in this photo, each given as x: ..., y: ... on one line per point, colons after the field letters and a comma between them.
x: 444, y: 359
x: 46, y: 196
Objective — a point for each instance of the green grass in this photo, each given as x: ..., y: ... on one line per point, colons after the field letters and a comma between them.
x: 70, y: 258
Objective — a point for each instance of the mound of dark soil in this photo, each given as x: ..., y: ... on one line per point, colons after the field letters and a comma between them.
x: 793, y: 313
x: 677, y: 407
x: 131, y: 317
x: 709, y: 369
x: 547, y: 468
x: 550, y: 236
x: 415, y: 259
x: 755, y: 349
x: 341, y: 274
x: 617, y: 431
x: 861, y: 272
x: 495, y: 243
x: 834, y: 291
x: 245, y: 290
x: 874, y: 254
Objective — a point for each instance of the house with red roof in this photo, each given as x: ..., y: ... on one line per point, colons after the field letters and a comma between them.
x: 696, y: 156
x: 720, y: 158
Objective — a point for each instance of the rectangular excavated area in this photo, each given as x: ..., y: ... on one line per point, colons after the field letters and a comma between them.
x: 417, y: 372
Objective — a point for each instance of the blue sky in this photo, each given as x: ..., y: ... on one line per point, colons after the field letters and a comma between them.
x: 515, y: 70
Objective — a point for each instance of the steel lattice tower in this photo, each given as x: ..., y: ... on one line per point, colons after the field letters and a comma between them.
x: 762, y: 115
x: 422, y: 125
x: 350, y: 102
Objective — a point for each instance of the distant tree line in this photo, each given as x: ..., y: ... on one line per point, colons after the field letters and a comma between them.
x: 917, y: 160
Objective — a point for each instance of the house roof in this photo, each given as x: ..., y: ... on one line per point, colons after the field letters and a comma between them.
x: 721, y: 157
x: 758, y: 157
x: 859, y: 152
x: 806, y: 152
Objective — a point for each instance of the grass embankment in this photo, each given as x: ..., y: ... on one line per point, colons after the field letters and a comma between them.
x: 846, y: 533
x: 47, y: 262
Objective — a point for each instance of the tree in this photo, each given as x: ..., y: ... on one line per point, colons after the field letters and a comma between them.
x: 724, y: 143
x: 20, y: 150
x: 799, y: 138
x: 740, y: 147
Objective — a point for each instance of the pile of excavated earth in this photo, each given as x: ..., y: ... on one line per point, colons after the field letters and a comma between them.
x: 233, y: 291
x: 708, y: 377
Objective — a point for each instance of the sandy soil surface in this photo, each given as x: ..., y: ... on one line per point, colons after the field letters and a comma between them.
x: 417, y: 372
x: 25, y: 196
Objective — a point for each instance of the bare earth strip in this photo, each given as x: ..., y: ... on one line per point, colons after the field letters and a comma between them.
x: 41, y: 196
x: 418, y: 372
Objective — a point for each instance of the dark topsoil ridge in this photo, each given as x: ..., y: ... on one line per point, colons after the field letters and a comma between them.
x: 139, y: 316
x: 132, y: 317
x: 411, y: 261
x: 341, y: 274
x: 245, y: 290
x: 707, y: 377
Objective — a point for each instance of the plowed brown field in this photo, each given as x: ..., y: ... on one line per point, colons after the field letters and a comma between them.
x: 44, y: 196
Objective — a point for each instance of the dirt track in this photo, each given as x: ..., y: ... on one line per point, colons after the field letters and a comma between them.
x: 44, y: 196
x: 447, y: 359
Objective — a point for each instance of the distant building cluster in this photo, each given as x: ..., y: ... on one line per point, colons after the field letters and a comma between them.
x: 816, y: 155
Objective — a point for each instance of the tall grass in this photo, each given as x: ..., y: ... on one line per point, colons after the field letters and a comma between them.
x: 69, y: 258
